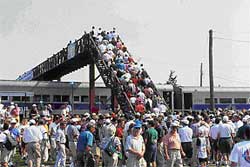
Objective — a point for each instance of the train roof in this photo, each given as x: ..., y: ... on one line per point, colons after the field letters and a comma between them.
x: 52, y: 84
x: 14, y: 83
x: 190, y: 89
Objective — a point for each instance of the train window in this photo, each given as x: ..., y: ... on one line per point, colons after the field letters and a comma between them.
x: 207, y: 100
x: 76, y: 98
x: 85, y: 99
x: 25, y: 98
x: 46, y: 98
x: 37, y: 98
x: 4, y: 98
x: 57, y: 98
x: 240, y: 100
x: 103, y: 99
x: 16, y: 98
x: 97, y: 98
x: 226, y: 100
x: 65, y: 99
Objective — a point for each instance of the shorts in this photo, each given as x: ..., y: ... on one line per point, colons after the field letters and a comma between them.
x: 188, y: 149
x: 150, y: 153
x: 5, y: 155
x: 214, y: 145
x: 225, y: 145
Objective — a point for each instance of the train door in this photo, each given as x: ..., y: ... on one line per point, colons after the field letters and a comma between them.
x: 188, y: 102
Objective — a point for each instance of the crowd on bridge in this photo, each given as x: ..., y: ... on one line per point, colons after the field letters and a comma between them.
x: 152, y: 136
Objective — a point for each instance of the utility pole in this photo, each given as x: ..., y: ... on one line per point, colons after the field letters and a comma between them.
x: 201, y: 75
x: 211, y: 79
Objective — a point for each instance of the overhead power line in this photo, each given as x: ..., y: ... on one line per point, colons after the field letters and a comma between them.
x: 233, y: 40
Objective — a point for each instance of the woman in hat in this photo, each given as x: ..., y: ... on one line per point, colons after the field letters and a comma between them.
x: 135, y: 147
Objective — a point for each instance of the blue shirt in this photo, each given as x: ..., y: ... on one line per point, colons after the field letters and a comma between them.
x: 14, y: 132
x: 121, y: 66
x: 85, y: 139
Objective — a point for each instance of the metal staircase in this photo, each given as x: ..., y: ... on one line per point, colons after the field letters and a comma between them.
x: 110, y: 79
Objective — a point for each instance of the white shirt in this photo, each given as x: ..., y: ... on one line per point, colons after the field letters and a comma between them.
x: 32, y: 134
x: 241, y: 154
x: 134, y: 143
x: 141, y: 95
x: 186, y: 134
x: 237, y: 125
x: 204, y: 129
x: 202, y: 149
x: 53, y: 128
x: 3, y: 136
x: 60, y: 136
x: 225, y: 130
x: 214, y: 130
x: 102, y: 47
x: 110, y: 46
x: 43, y: 131
x: 132, y: 100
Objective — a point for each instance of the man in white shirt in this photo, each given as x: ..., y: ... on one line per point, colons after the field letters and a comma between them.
x: 240, y: 155
x: 237, y: 122
x: 213, y: 134
x: 52, y: 131
x: 225, y: 135
x: 186, y: 135
x: 60, y: 142
x: 4, y: 153
x: 44, y: 142
x: 32, y: 136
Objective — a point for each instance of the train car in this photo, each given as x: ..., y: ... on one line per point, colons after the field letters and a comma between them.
x: 198, y: 98
x: 26, y: 93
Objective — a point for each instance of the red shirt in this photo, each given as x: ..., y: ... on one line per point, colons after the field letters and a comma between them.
x: 140, y: 108
x: 119, y: 132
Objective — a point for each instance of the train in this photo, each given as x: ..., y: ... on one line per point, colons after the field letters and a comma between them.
x: 26, y: 93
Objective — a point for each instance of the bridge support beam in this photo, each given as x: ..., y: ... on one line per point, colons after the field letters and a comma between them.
x: 91, y: 86
x: 114, y: 102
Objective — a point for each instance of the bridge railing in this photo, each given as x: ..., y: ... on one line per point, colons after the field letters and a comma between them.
x: 60, y: 57
x: 116, y: 84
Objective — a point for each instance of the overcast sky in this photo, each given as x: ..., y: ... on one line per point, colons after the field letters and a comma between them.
x: 164, y: 34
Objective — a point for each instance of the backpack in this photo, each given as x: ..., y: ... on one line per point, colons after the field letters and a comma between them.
x: 11, y: 143
x: 110, y: 148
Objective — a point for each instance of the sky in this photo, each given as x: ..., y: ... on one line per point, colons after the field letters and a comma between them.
x: 164, y: 35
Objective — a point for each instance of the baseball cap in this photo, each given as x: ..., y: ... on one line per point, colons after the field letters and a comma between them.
x: 13, y: 121
x: 32, y: 121
x: 137, y: 124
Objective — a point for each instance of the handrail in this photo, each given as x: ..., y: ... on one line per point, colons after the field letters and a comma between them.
x: 154, y: 87
x: 116, y: 78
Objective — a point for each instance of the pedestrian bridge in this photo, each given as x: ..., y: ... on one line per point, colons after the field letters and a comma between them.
x: 79, y: 54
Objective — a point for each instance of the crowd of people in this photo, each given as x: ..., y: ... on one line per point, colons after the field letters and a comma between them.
x: 193, y: 138
x: 152, y: 136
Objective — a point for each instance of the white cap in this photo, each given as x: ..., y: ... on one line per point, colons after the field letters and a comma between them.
x: 246, y: 118
x: 175, y: 123
x: 185, y: 121
x: 13, y: 121
x: 75, y: 119
x: 92, y: 121
x: 33, y: 105
x: 153, y: 115
x: 138, y: 114
x: 32, y: 121
x: 107, y: 121
x: 86, y: 114
x: 225, y: 118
